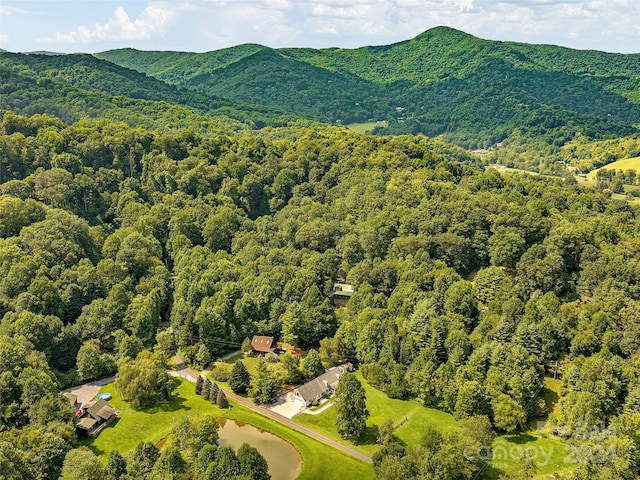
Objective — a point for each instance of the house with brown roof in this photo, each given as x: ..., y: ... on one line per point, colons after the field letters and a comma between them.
x: 263, y: 345
x: 95, y: 417
x: 321, y: 385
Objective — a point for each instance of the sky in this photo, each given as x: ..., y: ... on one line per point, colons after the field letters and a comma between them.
x: 202, y: 25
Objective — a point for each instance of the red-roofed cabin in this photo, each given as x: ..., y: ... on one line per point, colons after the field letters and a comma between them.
x: 263, y: 345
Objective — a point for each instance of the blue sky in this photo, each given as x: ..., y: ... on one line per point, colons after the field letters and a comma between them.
x: 203, y: 25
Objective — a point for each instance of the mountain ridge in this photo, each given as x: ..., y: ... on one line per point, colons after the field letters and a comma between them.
x: 430, y: 84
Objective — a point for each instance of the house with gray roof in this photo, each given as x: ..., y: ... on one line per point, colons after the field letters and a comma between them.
x: 323, y: 384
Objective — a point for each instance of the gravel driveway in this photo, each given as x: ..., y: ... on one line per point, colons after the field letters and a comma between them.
x: 88, y: 391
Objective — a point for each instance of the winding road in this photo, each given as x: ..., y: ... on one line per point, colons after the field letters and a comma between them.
x: 183, y: 371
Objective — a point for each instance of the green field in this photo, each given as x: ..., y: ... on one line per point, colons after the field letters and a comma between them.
x: 366, y: 126
x: 154, y: 423
x: 624, y: 164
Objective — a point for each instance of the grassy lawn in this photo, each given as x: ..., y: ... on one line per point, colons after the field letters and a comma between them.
x: 411, y: 418
x: 366, y: 126
x: 624, y: 164
x: 410, y: 414
x: 510, y: 451
x: 153, y: 424
x: 551, y: 394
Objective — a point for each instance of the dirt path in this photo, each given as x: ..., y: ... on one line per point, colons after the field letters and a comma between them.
x: 184, y: 372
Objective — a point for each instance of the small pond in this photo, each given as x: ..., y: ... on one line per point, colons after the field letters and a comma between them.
x: 284, y: 460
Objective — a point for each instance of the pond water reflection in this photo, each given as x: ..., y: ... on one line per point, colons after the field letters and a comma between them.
x: 284, y: 460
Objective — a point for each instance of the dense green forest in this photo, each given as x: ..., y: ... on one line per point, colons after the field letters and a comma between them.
x: 473, y: 92
x: 147, y: 190
x: 471, y: 285
x: 78, y: 86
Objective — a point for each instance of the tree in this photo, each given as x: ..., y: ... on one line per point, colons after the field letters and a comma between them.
x: 351, y: 407
x: 206, y: 388
x: 508, y: 415
x: 13, y: 465
x: 312, y: 365
x: 82, y: 464
x: 240, y: 379
x: 144, y: 380
x: 130, y: 346
x: 89, y: 363
x: 199, y: 383
x: 116, y: 465
x: 146, y: 455
x: 506, y: 247
x: 288, y: 369
x: 460, y: 299
x: 221, y: 399
x: 170, y: 463
x: 252, y: 464
x: 264, y: 386
x: 192, y: 434
x: 164, y: 344
x: 213, y: 392
x: 247, y: 348
x: 227, y: 465
x: 385, y: 432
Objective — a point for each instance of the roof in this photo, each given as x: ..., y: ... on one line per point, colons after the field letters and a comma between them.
x: 342, y: 289
x: 72, y: 397
x: 263, y: 344
x: 101, y: 410
x: 87, y: 423
x: 319, y: 385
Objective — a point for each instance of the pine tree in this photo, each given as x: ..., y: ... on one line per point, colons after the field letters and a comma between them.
x: 240, y: 379
x: 213, y: 392
x: 206, y: 387
x: 221, y: 400
x: 199, y: 383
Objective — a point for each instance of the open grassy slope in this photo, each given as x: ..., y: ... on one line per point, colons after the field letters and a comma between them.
x: 624, y: 164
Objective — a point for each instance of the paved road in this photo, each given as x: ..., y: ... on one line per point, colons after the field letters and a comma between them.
x: 184, y: 372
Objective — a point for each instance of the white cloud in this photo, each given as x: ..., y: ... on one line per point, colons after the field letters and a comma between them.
x: 9, y: 10
x: 153, y: 19
x: 4, y: 38
x: 200, y: 25
x: 463, y: 5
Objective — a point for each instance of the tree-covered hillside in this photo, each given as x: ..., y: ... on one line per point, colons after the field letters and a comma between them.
x: 82, y: 86
x: 443, y: 82
x: 470, y: 286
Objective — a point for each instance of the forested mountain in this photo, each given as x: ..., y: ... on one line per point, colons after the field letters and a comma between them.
x: 443, y: 82
x: 82, y: 86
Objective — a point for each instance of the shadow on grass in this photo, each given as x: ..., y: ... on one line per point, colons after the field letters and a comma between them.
x: 551, y: 398
x: 520, y: 439
x: 492, y: 473
x: 87, y: 442
x: 369, y: 437
x: 173, y: 405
